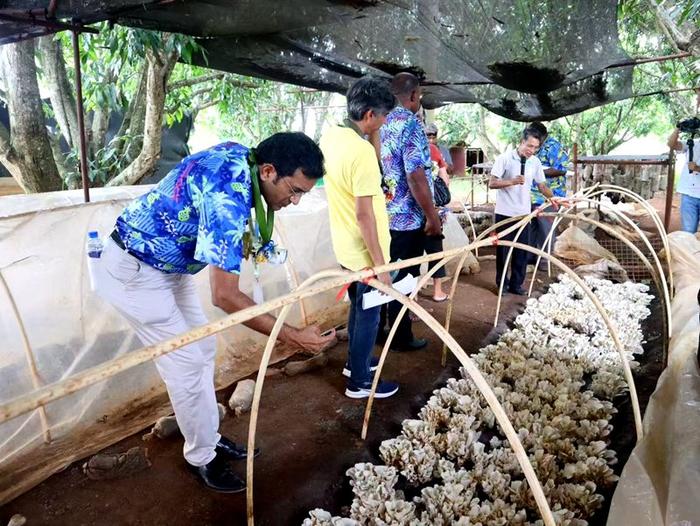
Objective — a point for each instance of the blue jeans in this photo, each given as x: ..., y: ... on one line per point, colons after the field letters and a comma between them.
x: 362, y: 332
x: 690, y: 213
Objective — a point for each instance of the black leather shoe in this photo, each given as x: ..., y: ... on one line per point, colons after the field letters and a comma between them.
x: 218, y: 476
x: 414, y: 345
x: 518, y: 291
x: 232, y: 451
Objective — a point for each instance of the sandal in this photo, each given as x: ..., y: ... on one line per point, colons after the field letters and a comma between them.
x: 440, y: 300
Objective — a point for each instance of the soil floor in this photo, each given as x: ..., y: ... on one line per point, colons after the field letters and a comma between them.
x: 308, y: 432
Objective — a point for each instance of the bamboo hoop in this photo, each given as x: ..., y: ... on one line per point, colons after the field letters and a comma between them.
x: 642, y: 236
x: 485, y: 390
x: 654, y: 216
x: 260, y: 380
x: 504, y: 271
x: 453, y: 292
x: 471, y: 225
x: 57, y: 390
x: 392, y: 332
x: 608, y: 323
x: 31, y: 361
x: 652, y: 271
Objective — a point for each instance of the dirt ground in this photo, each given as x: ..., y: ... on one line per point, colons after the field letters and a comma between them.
x: 308, y: 432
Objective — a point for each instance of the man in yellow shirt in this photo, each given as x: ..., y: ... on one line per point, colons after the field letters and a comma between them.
x: 358, y: 220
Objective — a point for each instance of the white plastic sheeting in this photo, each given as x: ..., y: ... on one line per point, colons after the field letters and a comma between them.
x: 42, y: 259
x: 660, y: 482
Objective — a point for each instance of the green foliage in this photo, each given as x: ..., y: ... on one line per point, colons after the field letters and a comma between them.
x: 457, y: 122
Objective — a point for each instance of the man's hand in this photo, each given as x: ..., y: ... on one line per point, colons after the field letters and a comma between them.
x: 385, y: 278
x: 433, y: 225
x: 520, y: 179
x: 309, y: 338
x: 693, y: 166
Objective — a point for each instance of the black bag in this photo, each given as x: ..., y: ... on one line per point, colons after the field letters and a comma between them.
x: 442, y: 194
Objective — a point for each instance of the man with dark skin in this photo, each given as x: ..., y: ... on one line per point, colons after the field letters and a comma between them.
x: 408, y: 184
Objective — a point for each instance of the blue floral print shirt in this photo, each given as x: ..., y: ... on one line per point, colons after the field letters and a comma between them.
x: 552, y: 155
x: 195, y: 216
x: 405, y: 148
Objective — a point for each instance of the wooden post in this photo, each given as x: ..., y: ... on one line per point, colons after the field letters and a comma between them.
x: 669, y: 188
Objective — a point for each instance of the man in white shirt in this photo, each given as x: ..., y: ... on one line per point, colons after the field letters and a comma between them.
x: 689, y: 184
x: 512, y: 175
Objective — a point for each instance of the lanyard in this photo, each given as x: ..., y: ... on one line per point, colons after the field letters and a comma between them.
x: 265, y: 220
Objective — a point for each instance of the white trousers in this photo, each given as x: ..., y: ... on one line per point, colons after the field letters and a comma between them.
x: 158, y: 306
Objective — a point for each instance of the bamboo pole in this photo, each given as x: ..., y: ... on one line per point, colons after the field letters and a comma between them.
x: 483, y: 386
x: 652, y: 271
x: 453, y: 292
x: 57, y: 390
x: 31, y: 361
x: 392, y: 332
x: 642, y: 236
x: 606, y: 319
x: 257, y: 394
x: 655, y: 217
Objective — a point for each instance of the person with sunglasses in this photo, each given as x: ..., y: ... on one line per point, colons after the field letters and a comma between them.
x: 201, y: 215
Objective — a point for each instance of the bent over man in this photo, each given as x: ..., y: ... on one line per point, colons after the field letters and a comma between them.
x: 200, y: 215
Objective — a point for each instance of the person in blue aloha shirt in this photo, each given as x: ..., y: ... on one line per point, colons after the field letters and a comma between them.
x: 200, y: 215
x: 555, y: 161
x: 408, y: 185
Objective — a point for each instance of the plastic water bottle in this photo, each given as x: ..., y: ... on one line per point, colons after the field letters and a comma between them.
x: 94, y: 244
x: 93, y: 249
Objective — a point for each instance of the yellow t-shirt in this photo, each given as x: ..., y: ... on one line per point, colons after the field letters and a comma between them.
x: 352, y: 170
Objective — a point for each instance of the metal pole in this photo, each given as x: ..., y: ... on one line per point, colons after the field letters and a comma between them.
x: 669, y: 188
x: 81, y: 118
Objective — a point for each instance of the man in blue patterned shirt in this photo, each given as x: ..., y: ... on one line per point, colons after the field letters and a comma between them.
x: 198, y: 215
x: 555, y: 161
x: 408, y: 184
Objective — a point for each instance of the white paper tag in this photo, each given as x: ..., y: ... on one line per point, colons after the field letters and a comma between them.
x: 374, y: 298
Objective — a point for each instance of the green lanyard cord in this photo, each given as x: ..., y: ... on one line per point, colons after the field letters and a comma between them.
x: 265, y: 220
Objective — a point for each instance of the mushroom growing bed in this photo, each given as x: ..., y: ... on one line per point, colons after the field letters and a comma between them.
x: 559, y: 378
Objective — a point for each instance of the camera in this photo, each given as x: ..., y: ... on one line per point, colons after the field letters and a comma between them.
x: 691, y: 125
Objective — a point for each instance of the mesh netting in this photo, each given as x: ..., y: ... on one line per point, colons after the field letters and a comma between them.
x: 523, y: 59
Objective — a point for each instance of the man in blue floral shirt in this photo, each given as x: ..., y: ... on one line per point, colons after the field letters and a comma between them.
x: 408, y: 184
x: 555, y: 161
x: 199, y: 215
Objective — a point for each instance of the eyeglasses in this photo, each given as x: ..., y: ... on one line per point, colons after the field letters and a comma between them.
x: 296, y: 194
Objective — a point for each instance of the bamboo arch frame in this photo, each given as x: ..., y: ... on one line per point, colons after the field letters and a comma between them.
x: 29, y: 356
x: 654, y: 216
x: 332, y: 279
x: 468, y: 364
x: 609, y: 324
x: 564, y: 212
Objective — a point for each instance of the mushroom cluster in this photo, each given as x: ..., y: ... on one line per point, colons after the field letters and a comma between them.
x: 555, y: 374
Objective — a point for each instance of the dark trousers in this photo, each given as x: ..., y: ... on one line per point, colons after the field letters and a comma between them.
x: 433, y: 245
x: 518, y: 261
x: 404, y: 245
x: 539, y: 230
x: 362, y: 332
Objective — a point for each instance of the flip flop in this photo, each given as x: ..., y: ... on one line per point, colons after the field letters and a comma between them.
x: 440, y: 300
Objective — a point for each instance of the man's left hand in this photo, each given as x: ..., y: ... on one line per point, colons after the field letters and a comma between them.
x: 693, y: 166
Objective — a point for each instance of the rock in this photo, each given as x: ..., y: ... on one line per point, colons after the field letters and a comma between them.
x: 167, y: 426
x: 272, y: 371
x: 108, y: 466
x: 17, y: 520
x: 242, y: 397
x: 342, y: 334
x: 294, y: 368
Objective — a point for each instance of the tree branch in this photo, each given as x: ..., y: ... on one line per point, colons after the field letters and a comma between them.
x: 206, y: 78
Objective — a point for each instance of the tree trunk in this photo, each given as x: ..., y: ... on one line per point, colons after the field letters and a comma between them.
x: 159, y: 68
x: 132, y: 124
x: 98, y: 130
x: 322, y: 115
x: 60, y: 89
x: 26, y: 151
x: 486, y: 142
